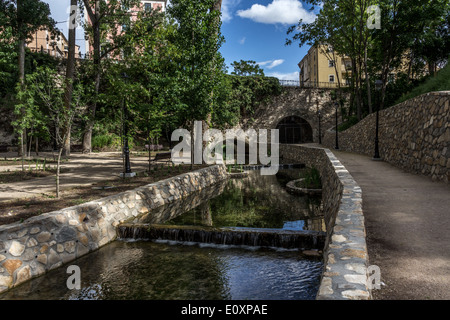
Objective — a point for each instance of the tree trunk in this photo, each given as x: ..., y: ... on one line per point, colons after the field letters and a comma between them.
x: 369, y: 94
x: 58, y: 163
x: 70, y: 75
x: 94, y: 16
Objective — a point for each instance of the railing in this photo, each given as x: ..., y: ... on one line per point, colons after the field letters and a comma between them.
x: 315, y: 84
x: 289, y: 83
x: 309, y: 84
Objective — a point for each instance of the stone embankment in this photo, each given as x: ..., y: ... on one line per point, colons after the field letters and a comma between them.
x: 413, y: 135
x: 345, y: 274
x: 45, y: 242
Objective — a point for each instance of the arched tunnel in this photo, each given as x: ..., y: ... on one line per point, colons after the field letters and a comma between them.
x: 294, y: 129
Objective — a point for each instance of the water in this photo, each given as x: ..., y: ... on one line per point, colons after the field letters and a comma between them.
x: 171, y: 270
x: 257, y: 202
x: 144, y: 270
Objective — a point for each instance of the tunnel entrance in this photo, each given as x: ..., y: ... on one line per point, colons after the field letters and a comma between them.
x: 294, y: 129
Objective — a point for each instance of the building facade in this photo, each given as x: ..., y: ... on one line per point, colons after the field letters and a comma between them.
x: 55, y: 45
x: 144, y: 5
x: 317, y: 68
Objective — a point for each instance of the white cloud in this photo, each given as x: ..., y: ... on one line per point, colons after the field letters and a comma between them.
x: 227, y: 8
x: 279, y: 11
x: 242, y: 41
x: 284, y: 76
x: 270, y: 63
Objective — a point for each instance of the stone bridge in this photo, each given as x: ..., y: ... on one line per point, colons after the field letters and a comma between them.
x: 296, y: 113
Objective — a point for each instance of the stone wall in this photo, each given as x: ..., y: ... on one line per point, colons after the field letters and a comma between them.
x: 45, y: 242
x: 413, y: 135
x: 295, y: 101
x: 345, y: 253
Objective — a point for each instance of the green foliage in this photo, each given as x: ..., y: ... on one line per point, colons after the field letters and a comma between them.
x: 247, y: 93
x: 311, y: 178
x: 100, y: 142
x: 246, y: 68
x: 440, y: 82
x: 351, y: 121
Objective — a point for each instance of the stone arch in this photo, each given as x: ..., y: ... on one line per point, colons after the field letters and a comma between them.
x: 294, y: 129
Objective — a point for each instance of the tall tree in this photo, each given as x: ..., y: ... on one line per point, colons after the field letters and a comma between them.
x: 246, y: 68
x: 70, y: 68
x: 105, y: 19
x: 25, y: 17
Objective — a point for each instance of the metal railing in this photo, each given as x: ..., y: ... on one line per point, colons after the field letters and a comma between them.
x: 315, y: 84
x: 310, y: 84
x: 289, y: 83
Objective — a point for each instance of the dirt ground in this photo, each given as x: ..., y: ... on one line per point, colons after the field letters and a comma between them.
x: 84, y: 178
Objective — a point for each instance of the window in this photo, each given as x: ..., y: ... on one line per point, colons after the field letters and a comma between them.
x: 331, y: 78
x: 330, y: 63
x: 148, y: 7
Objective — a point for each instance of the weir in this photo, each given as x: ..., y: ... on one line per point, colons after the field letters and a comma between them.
x: 260, y: 237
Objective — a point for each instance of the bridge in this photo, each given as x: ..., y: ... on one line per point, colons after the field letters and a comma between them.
x: 299, y: 113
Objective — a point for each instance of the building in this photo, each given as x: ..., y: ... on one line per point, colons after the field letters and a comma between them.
x: 317, y: 68
x: 145, y: 5
x: 56, y: 45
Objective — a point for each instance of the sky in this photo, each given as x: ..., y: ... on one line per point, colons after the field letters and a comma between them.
x: 253, y: 30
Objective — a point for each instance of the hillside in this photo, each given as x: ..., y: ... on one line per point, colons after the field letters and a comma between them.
x: 440, y: 82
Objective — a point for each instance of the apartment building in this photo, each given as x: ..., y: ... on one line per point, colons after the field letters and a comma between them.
x: 317, y: 68
x: 144, y: 5
x: 56, y: 45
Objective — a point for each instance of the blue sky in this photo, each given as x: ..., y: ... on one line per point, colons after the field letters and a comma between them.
x: 253, y: 30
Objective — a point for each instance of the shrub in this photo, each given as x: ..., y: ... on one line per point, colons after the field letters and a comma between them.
x: 311, y: 178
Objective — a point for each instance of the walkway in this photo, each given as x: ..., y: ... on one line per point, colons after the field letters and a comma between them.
x: 408, y: 228
x: 82, y: 170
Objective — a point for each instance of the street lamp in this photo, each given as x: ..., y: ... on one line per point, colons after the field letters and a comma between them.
x: 376, y: 156
x: 318, y: 114
x: 337, y: 142
x: 126, y: 150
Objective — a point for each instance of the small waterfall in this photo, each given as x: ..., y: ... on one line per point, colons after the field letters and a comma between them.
x: 280, y: 238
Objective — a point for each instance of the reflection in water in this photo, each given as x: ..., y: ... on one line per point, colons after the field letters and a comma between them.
x: 148, y: 270
x: 168, y: 271
x: 257, y: 202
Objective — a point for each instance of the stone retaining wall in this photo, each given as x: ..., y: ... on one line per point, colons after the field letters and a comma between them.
x: 345, y: 253
x: 45, y: 242
x: 413, y: 135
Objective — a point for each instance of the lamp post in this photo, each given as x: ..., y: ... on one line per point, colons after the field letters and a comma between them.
x: 126, y: 150
x: 318, y: 114
x: 376, y: 155
x: 337, y: 142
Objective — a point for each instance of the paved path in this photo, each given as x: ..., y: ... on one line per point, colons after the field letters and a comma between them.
x: 82, y: 170
x: 408, y: 228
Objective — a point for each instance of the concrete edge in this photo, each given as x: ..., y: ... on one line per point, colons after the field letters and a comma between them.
x: 345, y: 274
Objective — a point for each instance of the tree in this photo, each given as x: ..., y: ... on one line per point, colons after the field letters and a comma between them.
x: 42, y: 96
x: 247, y: 68
x: 25, y: 17
x: 106, y: 38
x: 198, y: 52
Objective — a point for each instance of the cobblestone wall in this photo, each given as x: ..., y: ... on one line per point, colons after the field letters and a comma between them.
x: 45, y: 242
x: 413, y: 135
x: 345, y: 253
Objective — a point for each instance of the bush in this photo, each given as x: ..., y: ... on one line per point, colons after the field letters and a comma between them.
x: 109, y: 141
x: 441, y: 82
x: 311, y: 178
x: 349, y: 123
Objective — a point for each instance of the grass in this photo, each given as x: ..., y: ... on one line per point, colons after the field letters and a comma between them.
x: 311, y: 180
x: 21, y: 209
x: 440, y: 82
